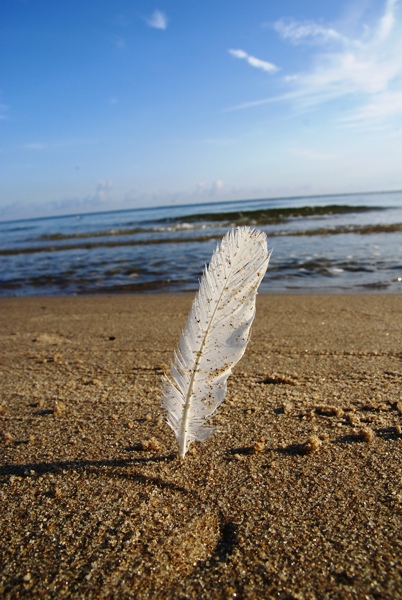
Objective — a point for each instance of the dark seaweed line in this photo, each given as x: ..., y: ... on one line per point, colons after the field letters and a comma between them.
x: 275, y: 215
x: 92, y: 245
x: 361, y: 230
x: 265, y: 216
x: 53, y: 237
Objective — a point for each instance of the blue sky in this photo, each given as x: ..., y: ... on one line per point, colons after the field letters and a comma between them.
x: 116, y: 103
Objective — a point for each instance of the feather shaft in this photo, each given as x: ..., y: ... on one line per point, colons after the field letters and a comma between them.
x: 215, y: 336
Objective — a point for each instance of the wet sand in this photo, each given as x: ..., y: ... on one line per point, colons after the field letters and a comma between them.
x: 297, y: 495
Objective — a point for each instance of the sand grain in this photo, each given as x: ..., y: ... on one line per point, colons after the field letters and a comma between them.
x: 298, y: 494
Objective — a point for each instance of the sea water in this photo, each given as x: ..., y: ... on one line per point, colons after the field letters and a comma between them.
x: 345, y: 243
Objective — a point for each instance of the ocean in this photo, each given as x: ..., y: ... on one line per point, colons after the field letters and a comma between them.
x: 330, y: 244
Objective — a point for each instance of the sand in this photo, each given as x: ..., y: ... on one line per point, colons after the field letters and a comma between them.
x: 297, y: 495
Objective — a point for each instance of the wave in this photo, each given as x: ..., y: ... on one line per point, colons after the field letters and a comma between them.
x: 346, y: 229
x: 270, y: 216
x: 273, y: 216
x: 54, y: 237
x: 110, y: 244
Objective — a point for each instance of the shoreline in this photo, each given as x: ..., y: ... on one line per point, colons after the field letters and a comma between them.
x: 298, y: 494
x: 163, y: 290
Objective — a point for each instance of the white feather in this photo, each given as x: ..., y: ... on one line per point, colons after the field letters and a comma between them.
x: 216, y: 334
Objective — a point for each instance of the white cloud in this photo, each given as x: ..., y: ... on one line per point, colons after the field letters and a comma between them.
x: 387, y: 21
x: 211, y: 189
x: 102, y: 190
x: 365, y: 68
x: 158, y: 20
x: 381, y: 105
x: 95, y: 201
x: 218, y: 185
x: 254, y: 62
x: 298, y: 33
x: 368, y: 65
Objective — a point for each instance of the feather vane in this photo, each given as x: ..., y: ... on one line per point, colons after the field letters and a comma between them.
x: 215, y: 336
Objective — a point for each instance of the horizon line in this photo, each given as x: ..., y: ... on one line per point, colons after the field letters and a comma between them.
x: 161, y: 206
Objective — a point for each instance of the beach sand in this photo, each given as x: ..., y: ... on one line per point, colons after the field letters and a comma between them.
x: 297, y: 495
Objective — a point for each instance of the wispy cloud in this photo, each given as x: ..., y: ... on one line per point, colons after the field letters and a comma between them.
x: 158, y: 20
x: 102, y: 190
x: 387, y: 21
x: 366, y: 65
x: 210, y: 189
x: 254, y: 62
x: 100, y: 199
x: 365, y: 68
x: 308, y: 31
x: 380, y: 106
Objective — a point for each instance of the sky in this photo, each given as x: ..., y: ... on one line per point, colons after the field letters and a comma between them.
x: 115, y: 104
